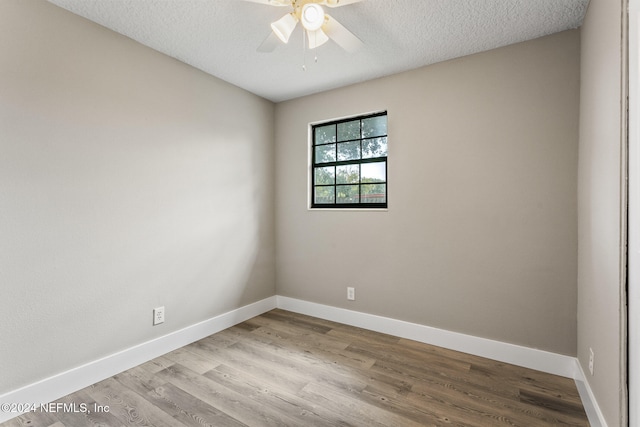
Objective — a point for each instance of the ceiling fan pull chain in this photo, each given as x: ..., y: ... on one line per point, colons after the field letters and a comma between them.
x: 315, y: 51
x: 304, y: 50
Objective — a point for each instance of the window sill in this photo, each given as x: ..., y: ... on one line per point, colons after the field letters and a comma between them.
x: 348, y: 209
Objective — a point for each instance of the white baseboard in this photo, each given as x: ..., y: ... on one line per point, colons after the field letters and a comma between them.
x: 60, y: 385
x: 596, y: 418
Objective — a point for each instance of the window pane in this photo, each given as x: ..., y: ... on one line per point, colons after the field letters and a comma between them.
x: 349, y: 130
x: 349, y: 174
x: 326, y: 153
x: 374, y: 126
x: 325, y: 176
x: 374, y: 172
x: 374, y: 193
x: 347, y: 193
x: 349, y: 150
x: 350, y: 162
x: 325, y: 134
x: 324, y: 195
x: 375, y: 147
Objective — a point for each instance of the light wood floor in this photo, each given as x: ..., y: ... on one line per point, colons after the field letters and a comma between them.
x: 286, y: 369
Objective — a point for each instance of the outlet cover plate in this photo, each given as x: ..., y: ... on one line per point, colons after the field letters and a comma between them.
x: 158, y: 315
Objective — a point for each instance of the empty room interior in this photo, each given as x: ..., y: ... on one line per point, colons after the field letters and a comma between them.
x: 182, y: 241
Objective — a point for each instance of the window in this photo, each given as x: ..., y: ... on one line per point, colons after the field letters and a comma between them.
x: 349, y: 163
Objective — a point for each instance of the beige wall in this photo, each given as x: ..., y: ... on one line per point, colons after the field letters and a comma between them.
x: 480, y: 235
x: 128, y: 180
x: 600, y: 206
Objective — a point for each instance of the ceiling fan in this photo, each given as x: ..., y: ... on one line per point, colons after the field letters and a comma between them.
x: 317, y: 25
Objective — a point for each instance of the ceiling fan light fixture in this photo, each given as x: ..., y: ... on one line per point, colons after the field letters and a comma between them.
x: 284, y: 26
x: 316, y: 38
x: 312, y: 16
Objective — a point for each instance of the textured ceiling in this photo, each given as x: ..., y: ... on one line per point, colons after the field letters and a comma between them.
x: 220, y: 37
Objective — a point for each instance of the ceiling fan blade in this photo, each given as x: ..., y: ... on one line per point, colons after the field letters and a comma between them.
x: 271, y: 2
x: 269, y: 44
x: 339, y: 34
x: 316, y: 38
x: 338, y: 3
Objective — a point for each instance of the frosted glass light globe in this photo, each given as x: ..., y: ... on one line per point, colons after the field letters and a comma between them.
x: 312, y: 16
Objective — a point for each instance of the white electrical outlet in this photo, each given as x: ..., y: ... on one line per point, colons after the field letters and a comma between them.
x: 351, y: 294
x: 158, y: 315
x: 591, y: 361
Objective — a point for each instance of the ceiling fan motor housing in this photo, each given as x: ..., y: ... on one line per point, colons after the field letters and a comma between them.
x: 312, y: 16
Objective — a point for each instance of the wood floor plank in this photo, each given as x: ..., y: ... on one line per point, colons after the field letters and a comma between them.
x: 289, y: 369
x: 139, y: 380
x: 308, y: 323
x: 337, y: 353
x: 479, y: 406
x: 33, y: 418
x: 191, y: 360
x: 129, y: 407
x: 554, y: 387
x: 263, y: 369
x: 337, y: 368
x: 384, y: 353
x: 350, y: 405
x: 446, y: 378
x: 157, y: 364
x: 274, y: 330
x: 93, y: 417
x: 562, y: 410
x: 303, y: 365
x: 235, y: 405
x: 359, y: 335
x: 188, y: 409
x: 304, y: 413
